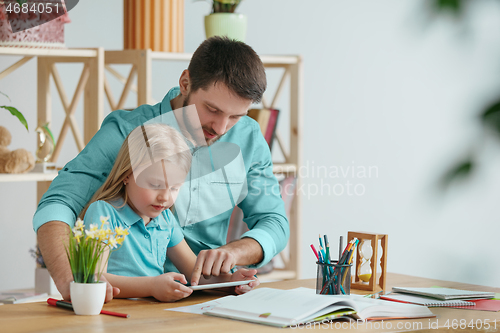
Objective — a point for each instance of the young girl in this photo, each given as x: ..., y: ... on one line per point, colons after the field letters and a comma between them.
x: 141, y: 187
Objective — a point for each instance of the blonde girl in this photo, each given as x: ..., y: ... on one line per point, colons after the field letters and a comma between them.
x: 141, y: 187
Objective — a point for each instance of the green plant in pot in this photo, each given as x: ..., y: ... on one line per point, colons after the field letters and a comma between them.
x: 15, y: 112
x: 223, y: 21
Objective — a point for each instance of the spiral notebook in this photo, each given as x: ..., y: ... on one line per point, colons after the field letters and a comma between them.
x: 426, y: 301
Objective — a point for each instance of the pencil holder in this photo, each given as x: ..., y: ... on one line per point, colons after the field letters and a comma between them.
x: 333, y: 279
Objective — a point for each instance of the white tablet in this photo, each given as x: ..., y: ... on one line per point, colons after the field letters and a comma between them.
x: 220, y: 285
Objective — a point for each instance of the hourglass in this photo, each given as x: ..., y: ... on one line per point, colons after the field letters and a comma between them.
x: 367, y: 261
x: 365, y: 254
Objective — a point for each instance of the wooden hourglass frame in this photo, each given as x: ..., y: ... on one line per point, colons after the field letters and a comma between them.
x: 372, y: 285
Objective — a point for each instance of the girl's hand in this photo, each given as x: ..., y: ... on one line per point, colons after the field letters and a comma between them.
x: 245, y: 274
x: 166, y: 289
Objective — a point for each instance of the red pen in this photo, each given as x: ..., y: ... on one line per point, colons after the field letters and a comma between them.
x: 68, y: 305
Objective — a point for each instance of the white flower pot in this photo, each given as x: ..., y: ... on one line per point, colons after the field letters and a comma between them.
x: 87, y: 298
x: 44, y: 282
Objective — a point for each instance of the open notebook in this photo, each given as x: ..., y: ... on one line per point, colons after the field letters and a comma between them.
x: 284, y: 308
x: 444, y: 293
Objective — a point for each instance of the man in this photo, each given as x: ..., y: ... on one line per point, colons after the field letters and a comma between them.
x: 223, y: 79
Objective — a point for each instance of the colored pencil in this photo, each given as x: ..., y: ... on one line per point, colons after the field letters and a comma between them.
x: 315, y: 252
x: 69, y: 306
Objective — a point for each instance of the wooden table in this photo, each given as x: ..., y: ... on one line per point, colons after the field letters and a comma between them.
x: 150, y: 316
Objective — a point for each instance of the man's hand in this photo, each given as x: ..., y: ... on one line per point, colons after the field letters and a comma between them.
x: 212, y: 262
x: 245, y: 274
x: 215, y: 262
x: 166, y: 289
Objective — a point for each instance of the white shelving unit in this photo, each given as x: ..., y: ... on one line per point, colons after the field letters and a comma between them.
x: 90, y: 86
x: 28, y: 177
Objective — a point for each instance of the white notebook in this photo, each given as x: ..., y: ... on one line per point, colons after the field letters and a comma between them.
x: 284, y: 308
x: 445, y: 293
x: 426, y: 301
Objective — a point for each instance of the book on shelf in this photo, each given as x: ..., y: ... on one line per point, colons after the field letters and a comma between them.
x: 12, y: 297
x: 288, y: 191
x: 444, y: 293
x: 268, y: 120
x: 284, y: 308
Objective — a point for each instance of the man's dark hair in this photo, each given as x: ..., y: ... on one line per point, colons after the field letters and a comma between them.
x: 234, y: 63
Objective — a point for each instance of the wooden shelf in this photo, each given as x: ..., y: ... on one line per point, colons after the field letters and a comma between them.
x: 171, y: 56
x: 35, y: 52
x: 279, y: 61
x: 124, y: 56
x: 27, y: 177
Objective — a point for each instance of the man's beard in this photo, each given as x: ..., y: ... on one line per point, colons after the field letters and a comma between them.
x: 209, y: 130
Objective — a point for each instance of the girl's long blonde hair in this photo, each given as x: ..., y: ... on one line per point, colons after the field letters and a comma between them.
x: 146, y: 142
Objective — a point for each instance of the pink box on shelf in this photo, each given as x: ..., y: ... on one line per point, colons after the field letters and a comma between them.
x: 35, y: 29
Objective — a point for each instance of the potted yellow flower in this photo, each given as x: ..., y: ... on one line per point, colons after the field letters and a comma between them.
x: 223, y: 21
x: 86, y: 250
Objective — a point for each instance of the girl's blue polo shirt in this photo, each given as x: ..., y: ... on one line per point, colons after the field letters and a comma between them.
x: 144, y: 250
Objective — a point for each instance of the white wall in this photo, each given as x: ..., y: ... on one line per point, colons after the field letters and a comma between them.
x: 383, y: 88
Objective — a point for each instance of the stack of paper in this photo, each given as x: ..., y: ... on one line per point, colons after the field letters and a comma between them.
x: 445, y: 293
x: 437, y: 297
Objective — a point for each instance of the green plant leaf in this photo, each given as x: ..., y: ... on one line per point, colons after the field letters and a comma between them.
x: 491, y: 117
x: 15, y: 112
x: 230, y: 2
x: 453, y: 6
x: 225, y: 6
x: 457, y: 172
x: 6, y: 96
